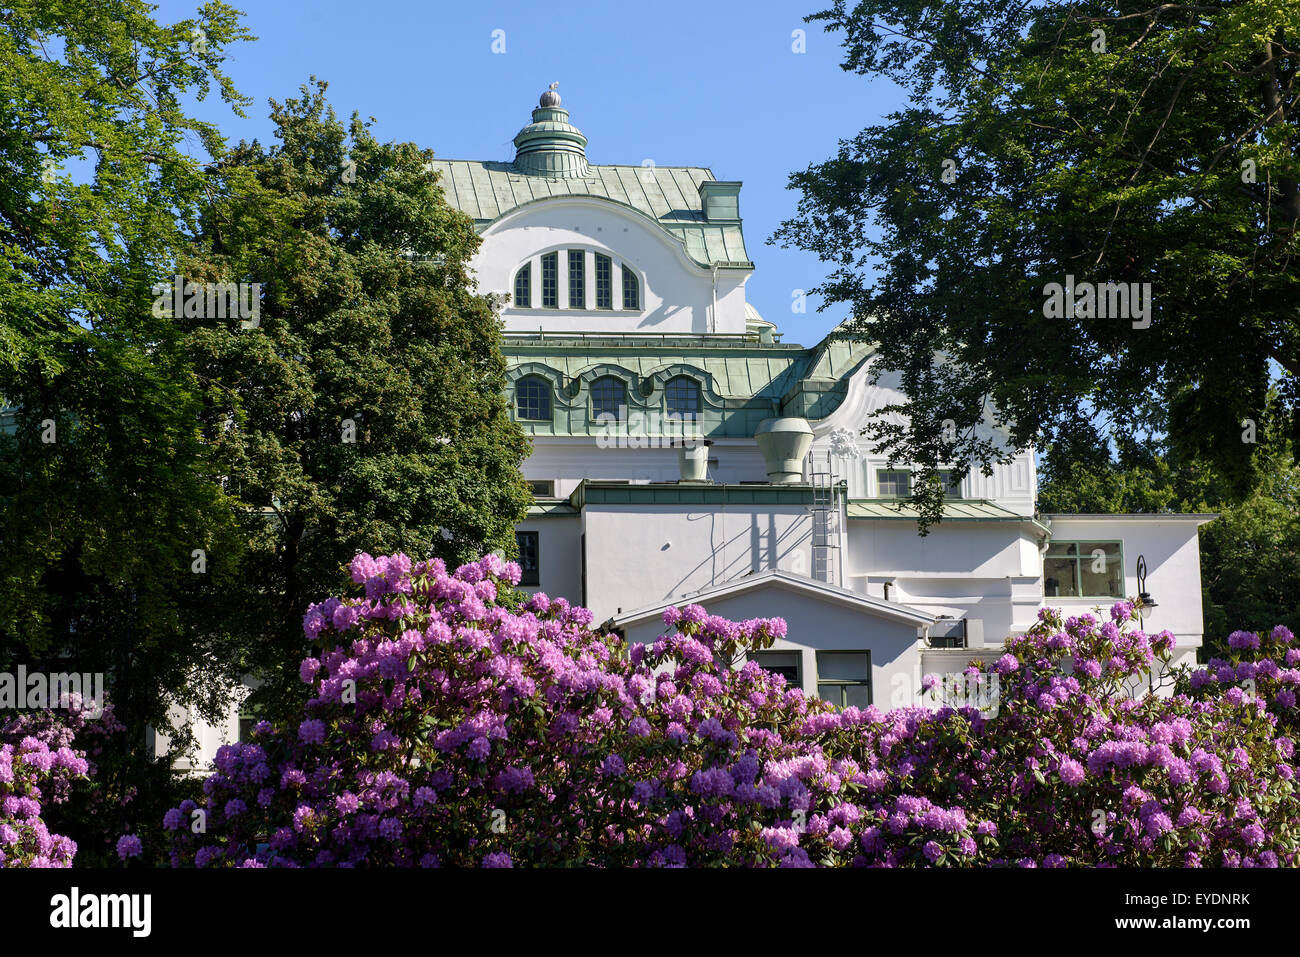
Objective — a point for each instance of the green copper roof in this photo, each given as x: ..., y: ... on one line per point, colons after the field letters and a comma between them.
x: 669, y: 195
x: 742, y: 381
x: 685, y: 493
x: 551, y: 161
x: 972, y: 511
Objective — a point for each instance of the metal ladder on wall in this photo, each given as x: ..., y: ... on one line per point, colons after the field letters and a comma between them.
x: 825, y: 512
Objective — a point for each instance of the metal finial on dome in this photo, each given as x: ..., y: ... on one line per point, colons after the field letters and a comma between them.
x: 550, y: 97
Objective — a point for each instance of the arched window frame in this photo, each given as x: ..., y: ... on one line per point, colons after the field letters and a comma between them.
x: 631, y: 289
x: 603, y: 388
x: 681, y: 387
x: 524, y: 286
x: 533, y: 400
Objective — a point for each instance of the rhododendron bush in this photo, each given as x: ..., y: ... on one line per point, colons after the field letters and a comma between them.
x: 38, y: 764
x: 455, y: 724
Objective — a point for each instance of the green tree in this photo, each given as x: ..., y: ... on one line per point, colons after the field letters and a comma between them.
x: 1250, y: 554
x: 106, y: 488
x: 366, y: 410
x: 1111, y: 143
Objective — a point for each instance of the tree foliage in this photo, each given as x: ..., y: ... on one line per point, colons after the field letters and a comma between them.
x: 366, y: 408
x: 105, y: 486
x: 1110, y: 143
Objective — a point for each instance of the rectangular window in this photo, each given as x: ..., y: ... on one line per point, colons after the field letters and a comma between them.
x: 542, y: 488
x: 784, y: 663
x: 844, y: 678
x: 1083, y: 570
x: 604, y: 282
x: 951, y: 481
x: 551, y: 281
x: 893, y: 483
x: 528, y: 557
x: 577, y: 279
x: 249, y: 715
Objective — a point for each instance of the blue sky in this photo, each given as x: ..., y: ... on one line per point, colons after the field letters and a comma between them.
x: 679, y: 83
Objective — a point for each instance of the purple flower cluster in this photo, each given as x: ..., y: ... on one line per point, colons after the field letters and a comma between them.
x: 451, y: 727
x: 27, y: 769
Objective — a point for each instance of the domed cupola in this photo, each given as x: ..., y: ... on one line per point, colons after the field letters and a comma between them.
x: 550, y: 145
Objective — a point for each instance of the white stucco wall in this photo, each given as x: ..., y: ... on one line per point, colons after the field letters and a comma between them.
x: 568, y: 461
x: 1172, y: 550
x: 1012, y: 485
x: 559, y: 553
x: 641, y: 554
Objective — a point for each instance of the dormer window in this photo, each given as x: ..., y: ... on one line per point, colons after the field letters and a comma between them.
x: 533, y: 399
x: 608, y: 397
x: 551, y: 281
x: 683, y: 395
x: 524, y: 286
x: 631, y: 290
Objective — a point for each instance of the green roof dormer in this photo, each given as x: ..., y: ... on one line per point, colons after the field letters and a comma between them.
x: 550, y: 145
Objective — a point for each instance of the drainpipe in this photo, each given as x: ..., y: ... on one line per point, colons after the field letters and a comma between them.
x: 713, y: 316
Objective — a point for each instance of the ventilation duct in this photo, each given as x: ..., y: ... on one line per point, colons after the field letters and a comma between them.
x: 784, y: 443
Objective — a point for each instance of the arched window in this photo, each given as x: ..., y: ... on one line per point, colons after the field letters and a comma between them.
x: 631, y: 290
x: 533, y: 399
x: 683, y: 395
x: 608, y: 397
x: 524, y: 286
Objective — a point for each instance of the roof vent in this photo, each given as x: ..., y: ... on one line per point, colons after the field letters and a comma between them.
x: 693, y: 459
x: 784, y: 442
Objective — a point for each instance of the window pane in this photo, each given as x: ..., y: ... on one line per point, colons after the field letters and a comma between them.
x: 527, y: 542
x: 550, y: 281
x: 832, y: 693
x: 784, y: 663
x: 631, y: 290
x: 608, y: 396
x: 533, y: 399
x: 857, y: 696
x: 894, y: 483
x: 1060, y: 577
x: 683, y: 395
x: 524, y: 286
x: 1100, y: 571
x: 951, y: 482
x: 842, y: 666
x: 577, y: 279
x: 1062, y: 549
x: 604, y: 283
x: 542, y: 488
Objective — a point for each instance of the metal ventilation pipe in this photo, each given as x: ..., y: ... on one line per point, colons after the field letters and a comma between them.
x: 784, y: 442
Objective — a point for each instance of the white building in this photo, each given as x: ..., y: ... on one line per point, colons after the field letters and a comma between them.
x: 628, y: 328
